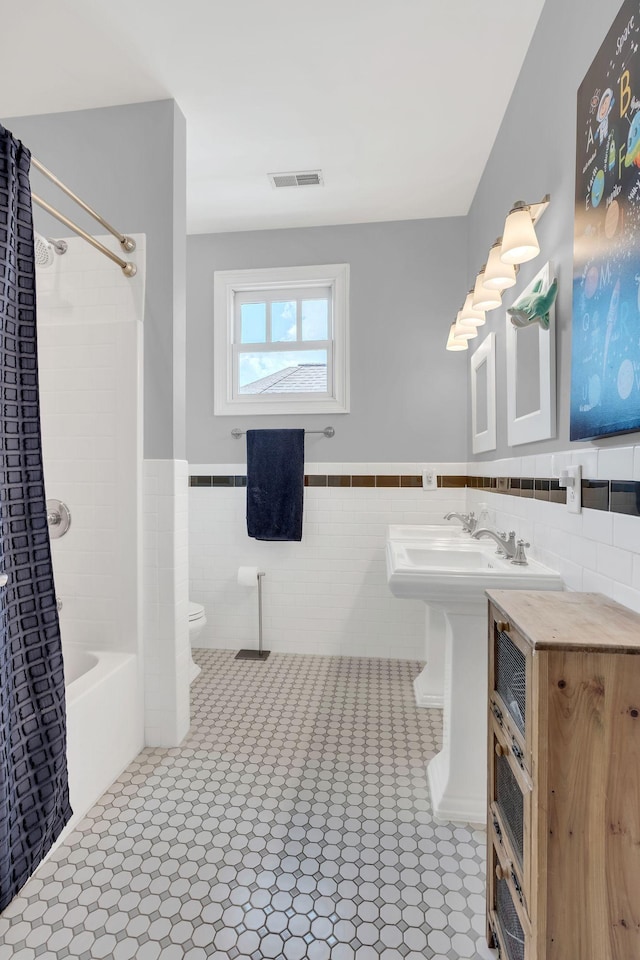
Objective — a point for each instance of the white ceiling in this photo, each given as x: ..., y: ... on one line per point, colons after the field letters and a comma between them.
x: 397, y: 101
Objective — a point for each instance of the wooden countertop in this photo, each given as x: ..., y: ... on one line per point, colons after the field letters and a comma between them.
x: 548, y: 619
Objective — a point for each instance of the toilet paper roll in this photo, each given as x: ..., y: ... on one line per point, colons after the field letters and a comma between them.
x: 248, y: 576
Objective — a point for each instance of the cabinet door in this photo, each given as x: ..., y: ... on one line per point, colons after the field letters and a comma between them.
x: 510, y: 685
x: 510, y: 810
x: 507, y: 920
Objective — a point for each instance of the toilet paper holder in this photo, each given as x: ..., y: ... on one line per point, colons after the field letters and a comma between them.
x: 247, y: 576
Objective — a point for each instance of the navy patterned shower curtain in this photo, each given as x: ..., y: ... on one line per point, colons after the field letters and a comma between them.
x: 34, y: 795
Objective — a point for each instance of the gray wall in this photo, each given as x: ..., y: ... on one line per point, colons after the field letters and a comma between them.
x: 408, y: 396
x: 128, y: 163
x: 534, y: 154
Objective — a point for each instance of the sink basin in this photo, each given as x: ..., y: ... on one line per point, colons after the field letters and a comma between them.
x: 459, y: 573
x: 465, y: 556
x: 426, y: 531
x: 451, y: 578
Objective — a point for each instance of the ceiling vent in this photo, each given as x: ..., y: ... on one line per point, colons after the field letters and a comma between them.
x: 303, y: 178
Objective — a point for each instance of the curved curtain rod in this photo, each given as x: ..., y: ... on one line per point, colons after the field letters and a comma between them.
x: 128, y: 268
x: 127, y: 243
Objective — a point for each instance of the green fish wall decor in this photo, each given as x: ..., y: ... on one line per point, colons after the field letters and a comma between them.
x: 534, y: 307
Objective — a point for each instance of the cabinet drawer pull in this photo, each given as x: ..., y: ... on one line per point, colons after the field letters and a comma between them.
x: 517, y: 753
x: 497, y: 712
x: 516, y: 885
x: 503, y: 626
x: 500, y: 750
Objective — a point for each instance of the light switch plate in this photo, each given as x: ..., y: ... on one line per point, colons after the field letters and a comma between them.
x: 429, y: 479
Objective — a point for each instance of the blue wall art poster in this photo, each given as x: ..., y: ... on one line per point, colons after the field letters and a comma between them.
x: 605, y: 372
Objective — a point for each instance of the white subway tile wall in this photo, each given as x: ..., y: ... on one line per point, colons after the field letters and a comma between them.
x: 327, y: 594
x: 89, y: 335
x: 166, y: 602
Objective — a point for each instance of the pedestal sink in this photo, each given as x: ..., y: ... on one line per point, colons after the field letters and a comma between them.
x: 428, y: 686
x: 453, y: 578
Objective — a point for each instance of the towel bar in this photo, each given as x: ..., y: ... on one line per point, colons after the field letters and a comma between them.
x: 328, y: 432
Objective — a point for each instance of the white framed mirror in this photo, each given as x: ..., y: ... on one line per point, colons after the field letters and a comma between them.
x: 483, y: 396
x: 531, y: 371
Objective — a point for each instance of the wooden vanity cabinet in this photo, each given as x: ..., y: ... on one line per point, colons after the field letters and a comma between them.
x: 563, y: 832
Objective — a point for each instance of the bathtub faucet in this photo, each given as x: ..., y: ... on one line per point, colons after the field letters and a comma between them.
x: 468, y: 520
x: 506, y: 547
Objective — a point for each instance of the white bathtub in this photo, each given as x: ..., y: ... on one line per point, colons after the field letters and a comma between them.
x: 104, y: 721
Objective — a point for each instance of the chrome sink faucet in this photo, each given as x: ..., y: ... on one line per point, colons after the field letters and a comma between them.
x: 468, y: 520
x: 506, y: 547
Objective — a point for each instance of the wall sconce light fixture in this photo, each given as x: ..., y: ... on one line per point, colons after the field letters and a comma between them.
x: 519, y: 241
x: 455, y: 343
x: 517, y: 245
x: 470, y: 316
x: 483, y: 298
x: 499, y: 275
x: 463, y: 330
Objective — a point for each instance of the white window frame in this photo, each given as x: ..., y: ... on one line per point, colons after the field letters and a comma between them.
x: 228, y: 283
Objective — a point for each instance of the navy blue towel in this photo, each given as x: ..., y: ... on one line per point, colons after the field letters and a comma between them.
x: 275, y: 484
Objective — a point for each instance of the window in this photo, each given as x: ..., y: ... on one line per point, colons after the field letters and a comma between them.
x: 281, y: 340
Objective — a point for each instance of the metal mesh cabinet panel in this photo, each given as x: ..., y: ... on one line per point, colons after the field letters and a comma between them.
x: 511, y: 805
x: 510, y: 669
x: 510, y: 926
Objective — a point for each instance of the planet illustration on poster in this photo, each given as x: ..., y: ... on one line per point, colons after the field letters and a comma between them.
x: 612, y: 219
x: 591, y: 282
x: 597, y: 189
x: 625, y: 379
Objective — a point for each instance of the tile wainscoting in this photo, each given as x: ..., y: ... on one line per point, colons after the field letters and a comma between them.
x: 597, y: 550
x: 327, y: 594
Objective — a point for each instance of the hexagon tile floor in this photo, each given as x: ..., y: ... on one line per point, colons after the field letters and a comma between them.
x: 293, y: 822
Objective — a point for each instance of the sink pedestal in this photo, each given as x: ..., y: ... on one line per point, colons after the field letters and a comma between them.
x: 458, y: 774
x: 428, y: 686
x: 452, y: 579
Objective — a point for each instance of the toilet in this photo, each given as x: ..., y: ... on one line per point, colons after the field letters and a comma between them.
x: 197, y: 620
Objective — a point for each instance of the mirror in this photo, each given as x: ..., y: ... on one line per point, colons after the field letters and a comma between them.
x: 531, y: 373
x: 483, y: 396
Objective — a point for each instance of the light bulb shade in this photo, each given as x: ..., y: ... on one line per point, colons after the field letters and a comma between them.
x: 484, y: 299
x: 519, y: 241
x: 468, y: 315
x: 498, y: 275
x: 453, y: 343
x: 466, y: 331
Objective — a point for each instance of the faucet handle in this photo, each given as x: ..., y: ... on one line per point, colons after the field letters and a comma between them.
x: 520, y: 557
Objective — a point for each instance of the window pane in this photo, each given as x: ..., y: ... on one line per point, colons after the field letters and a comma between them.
x: 315, y: 319
x: 253, y: 320
x: 283, y: 321
x: 293, y: 371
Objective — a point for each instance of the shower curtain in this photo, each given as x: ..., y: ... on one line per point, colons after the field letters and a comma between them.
x: 34, y: 795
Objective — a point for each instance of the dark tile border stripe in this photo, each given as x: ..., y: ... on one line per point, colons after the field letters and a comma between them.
x: 615, y: 496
